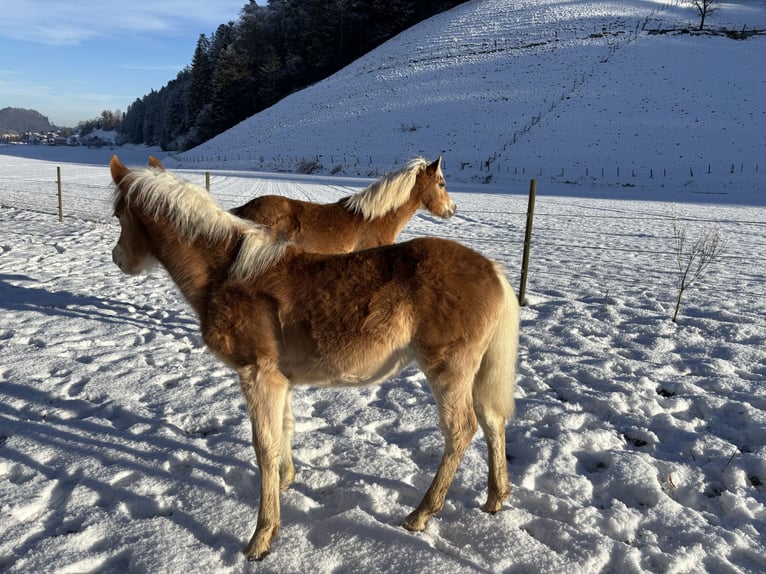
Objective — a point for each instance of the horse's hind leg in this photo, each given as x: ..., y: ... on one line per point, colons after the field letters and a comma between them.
x: 458, y: 424
x: 499, y: 487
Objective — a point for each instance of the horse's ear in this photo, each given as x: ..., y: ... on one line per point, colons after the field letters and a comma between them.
x: 435, y: 165
x: 118, y: 169
x: 155, y: 163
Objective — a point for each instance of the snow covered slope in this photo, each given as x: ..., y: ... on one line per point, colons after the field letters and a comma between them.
x: 507, y: 89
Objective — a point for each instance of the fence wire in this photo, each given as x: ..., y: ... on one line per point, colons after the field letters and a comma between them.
x: 600, y: 230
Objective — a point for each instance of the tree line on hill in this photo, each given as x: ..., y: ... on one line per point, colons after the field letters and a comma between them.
x: 270, y: 52
x: 108, y: 121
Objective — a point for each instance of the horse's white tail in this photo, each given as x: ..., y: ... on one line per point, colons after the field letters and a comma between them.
x: 495, y: 382
x: 493, y: 393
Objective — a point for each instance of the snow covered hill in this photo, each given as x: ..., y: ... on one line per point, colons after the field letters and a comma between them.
x: 579, y: 92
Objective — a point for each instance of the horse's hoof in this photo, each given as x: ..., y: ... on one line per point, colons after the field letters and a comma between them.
x: 415, y: 524
x: 258, y: 548
x: 492, y: 507
x: 257, y: 557
x: 286, y: 482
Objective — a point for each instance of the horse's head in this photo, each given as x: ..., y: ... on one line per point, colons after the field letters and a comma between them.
x: 435, y: 196
x: 131, y: 254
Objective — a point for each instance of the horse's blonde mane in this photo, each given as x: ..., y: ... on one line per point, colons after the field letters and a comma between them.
x: 256, y: 255
x: 195, y: 213
x: 390, y: 192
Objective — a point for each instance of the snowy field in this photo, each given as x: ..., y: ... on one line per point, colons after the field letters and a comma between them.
x: 638, y: 444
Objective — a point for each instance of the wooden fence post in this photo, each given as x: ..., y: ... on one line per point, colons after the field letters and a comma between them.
x: 207, y: 181
x: 527, y: 242
x: 58, y: 183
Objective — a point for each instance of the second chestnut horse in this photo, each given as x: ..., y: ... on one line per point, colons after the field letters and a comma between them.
x: 373, y: 217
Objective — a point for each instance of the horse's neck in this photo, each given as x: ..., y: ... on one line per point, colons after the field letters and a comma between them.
x: 195, y: 266
x: 388, y: 227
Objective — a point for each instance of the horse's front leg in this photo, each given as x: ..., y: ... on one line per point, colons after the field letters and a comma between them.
x: 265, y: 390
x: 287, y: 468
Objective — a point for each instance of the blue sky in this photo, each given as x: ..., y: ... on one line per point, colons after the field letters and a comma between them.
x: 69, y: 60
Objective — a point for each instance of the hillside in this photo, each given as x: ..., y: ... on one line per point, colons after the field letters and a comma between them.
x: 19, y: 120
x: 583, y: 92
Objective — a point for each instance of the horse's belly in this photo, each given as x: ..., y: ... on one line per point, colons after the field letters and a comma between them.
x: 366, y: 369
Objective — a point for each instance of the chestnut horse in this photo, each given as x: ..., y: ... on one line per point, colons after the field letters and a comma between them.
x: 375, y: 216
x: 281, y: 317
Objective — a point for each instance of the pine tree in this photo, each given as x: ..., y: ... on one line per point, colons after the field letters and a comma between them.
x: 200, y: 90
x: 175, y: 121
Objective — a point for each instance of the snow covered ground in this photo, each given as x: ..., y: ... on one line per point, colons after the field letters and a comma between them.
x: 639, y: 444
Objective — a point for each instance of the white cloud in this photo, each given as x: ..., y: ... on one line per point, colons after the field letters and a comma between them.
x: 70, y: 23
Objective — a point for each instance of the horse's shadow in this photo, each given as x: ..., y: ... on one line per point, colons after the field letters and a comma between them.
x: 96, y: 442
x: 16, y: 297
x: 103, y: 432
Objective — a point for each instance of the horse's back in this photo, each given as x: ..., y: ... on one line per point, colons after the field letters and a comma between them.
x: 265, y: 209
x: 425, y: 263
x: 281, y: 214
x: 420, y: 268
x: 447, y: 267
x: 315, y: 227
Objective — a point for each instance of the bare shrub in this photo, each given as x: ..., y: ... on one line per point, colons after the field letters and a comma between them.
x: 308, y: 167
x: 693, y: 260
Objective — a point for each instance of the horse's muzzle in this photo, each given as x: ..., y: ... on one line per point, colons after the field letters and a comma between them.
x: 118, y: 259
